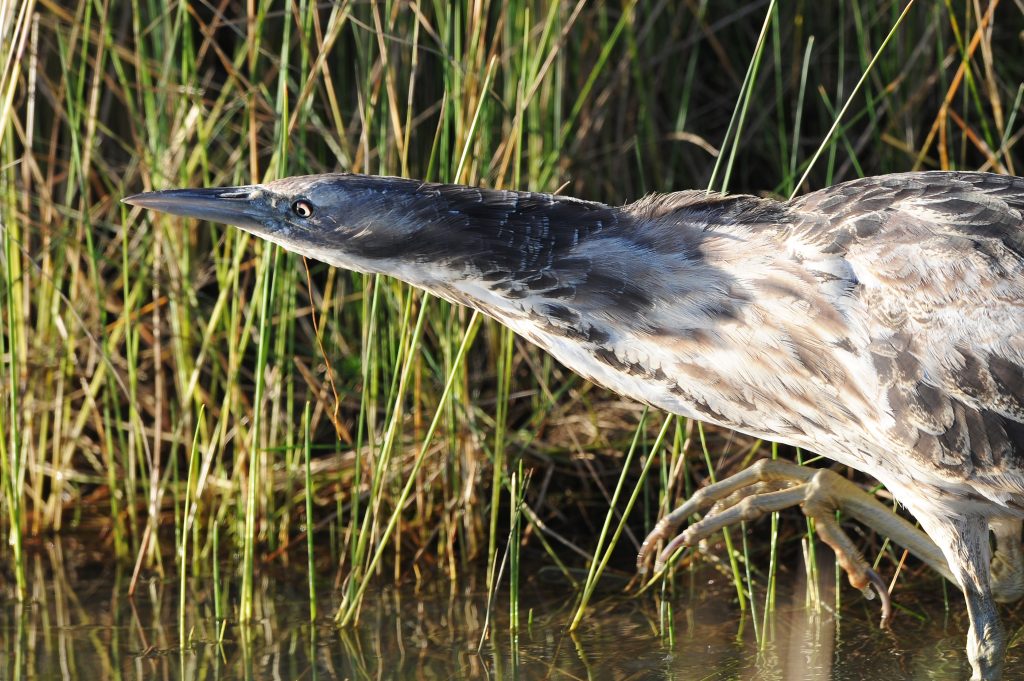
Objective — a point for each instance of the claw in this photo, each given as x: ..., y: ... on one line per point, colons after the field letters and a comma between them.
x: 883, y: 595
x: 666, y: 554
x: 665, y: 528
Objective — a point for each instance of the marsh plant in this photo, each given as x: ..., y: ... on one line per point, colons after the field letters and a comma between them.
x: 210, y: 408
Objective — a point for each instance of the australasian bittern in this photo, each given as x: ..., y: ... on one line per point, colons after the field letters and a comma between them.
x: 879, y: 323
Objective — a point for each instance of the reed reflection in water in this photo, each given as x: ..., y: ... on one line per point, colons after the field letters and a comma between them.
x: 81, y: 624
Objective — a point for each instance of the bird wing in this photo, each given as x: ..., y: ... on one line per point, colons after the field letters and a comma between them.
x: 939, y: 263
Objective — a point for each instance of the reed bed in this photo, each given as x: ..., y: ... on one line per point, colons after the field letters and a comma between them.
x: 208, y: 406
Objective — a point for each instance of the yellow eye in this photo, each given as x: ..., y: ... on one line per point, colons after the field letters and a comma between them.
x: 303, y: 208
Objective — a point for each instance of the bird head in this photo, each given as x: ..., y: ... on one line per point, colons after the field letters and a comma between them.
x: 346, y: 220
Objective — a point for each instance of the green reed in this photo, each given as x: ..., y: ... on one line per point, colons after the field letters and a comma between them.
x: 118, y: 328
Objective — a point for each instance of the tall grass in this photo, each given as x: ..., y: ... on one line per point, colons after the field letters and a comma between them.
x: 119, y: 328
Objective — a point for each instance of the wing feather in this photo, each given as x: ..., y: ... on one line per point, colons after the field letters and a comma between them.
x: 939, y: 259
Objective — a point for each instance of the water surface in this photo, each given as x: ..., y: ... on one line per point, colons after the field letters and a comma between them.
x: 80, y: 624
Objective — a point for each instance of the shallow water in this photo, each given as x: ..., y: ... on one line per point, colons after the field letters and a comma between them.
x: 81, y: 625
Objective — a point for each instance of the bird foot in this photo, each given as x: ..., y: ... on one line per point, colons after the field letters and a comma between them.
x: 774, y: 485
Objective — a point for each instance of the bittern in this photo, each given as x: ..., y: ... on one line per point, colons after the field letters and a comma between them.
x: 879, y: 322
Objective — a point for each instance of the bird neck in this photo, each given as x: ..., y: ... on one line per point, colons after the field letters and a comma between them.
x: 558, y: 265
x: 434, y: 235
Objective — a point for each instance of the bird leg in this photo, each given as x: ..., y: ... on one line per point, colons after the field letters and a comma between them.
x: 820, y: 492
x: 966, y: 542
x: 1007, y: 569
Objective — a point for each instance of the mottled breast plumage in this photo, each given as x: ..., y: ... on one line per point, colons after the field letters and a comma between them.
x: 881, y: 316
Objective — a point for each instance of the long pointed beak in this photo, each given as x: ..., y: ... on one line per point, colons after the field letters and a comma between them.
x: 241, y: 206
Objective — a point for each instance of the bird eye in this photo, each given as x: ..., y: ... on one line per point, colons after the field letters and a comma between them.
x: 302, y: 208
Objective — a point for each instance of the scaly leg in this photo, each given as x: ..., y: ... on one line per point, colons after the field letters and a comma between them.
x: 820, y: 492
x: 966, y: 546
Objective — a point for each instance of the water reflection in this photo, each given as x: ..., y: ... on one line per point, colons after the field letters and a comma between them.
x: 80, y: 624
